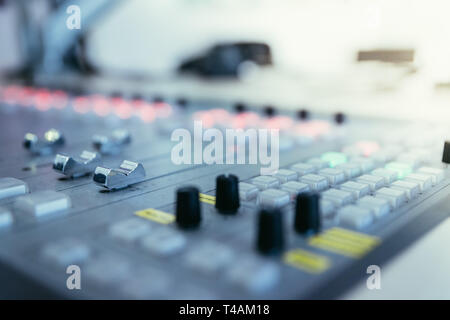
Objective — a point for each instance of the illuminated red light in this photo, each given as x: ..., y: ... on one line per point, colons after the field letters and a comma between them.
x: 147, y: 114
x: 281, y: 123
x: 367, y: 147
x: 81, y: 105
x: 101, y: 105
x: 313, y: 129
x: 163, y: 110
x: 122, y: 108
x: 59, y: 99
x: 245, y: 120
x: 42, y: 99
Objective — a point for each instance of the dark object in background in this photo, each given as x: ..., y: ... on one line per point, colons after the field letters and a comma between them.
x: 446, y: 152
x: 223, y: 60
x: 387, y: 55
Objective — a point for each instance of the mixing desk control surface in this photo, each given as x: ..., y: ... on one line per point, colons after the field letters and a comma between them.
x: 90, y: 181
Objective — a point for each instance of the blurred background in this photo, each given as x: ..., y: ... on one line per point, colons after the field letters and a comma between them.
x: 360, y: 55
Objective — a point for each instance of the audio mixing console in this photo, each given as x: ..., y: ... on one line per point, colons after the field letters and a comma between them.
x: 88, y: 180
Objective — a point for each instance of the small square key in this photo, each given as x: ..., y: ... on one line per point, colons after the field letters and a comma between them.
x: 315, y: 182
x: 273, y: 198
x: 355, y: 217
x: 389, y: 176
x: 425, y: 181
x: 350, y: 169
x: 6, y: 218
x: 11, y: 187
x: 294, y: 187
x: 378, y: 206
x: 411, y: 188
x: 266, y: 182
x: 358, y: 189
x: 247, y: 191
x: 334, y: 176
x: 319, y: 163
x: 40, y: 204
x: 327, y: 208
x: 395, y: 197
x: 365, y: 164
x: 436, y: 174
x: 286, y: 175
x: 374, y: 182
x: 303, y: 168
x: 339, y: 197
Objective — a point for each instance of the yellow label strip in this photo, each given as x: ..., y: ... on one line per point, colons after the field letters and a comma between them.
x: 306, y: 261
x: 206, y: 198
x: 156, y: 215
x: 346, y: 242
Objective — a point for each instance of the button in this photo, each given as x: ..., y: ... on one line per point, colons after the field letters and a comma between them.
x: 339, y: 197
x: 307, y: 213
x: 319, y: 163
x: 378, y: 206
x: 78, y: 166
x: 40, y: 204
x: 266, y: 182
x: 356, y: 188
x: 389, y: 176
x: 209, y: 257
x: 351, y: 170
x: 327, y: 208
x: 374, y: 182
x: 163, y: 242
x: 424, y: 180
x: 52, y: 140
x: 437, y: 175
x: 127, y: 174
x: 294, y: 187
x: 303, y: 168
x: 339, y: 118
x: 247, y: 191
x: 334, y: 158
x: 411, y: 188
x: 188, y: 212
x: 273, y: 198
x: 286, y: 175
x: 107, y: 269
x: 334, y: 176
x: 355, y: 217
x: 227, y: 194
x: 66, y: 251
x: 270, y: 233
x: 6, y: 218
x: 303, y: 114
x: 365, y: 164
x: 403, y: 169
x: 411, y: 159
x: 129, y: 230
x: 315, y: 182
x: 395, y: 197
x: 11, y: 187
x: 113, y: 144
x: 254, y: 275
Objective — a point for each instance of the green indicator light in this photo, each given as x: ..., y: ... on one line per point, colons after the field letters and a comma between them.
x: 334, y: 158
x: 402, y: 169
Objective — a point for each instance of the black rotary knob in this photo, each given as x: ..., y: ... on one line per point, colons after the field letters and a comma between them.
x: 270, y: 235
x: 303, y: 114
x: 307, y: 213
x: 339, y: 118
x: 269, y: 111
x: 227, y: 194
x: 188, y: 213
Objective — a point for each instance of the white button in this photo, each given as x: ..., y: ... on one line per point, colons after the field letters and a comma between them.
x: 351, y: 170
x: 326, y: 208
x: 436, y: 174
x: 286, y: 175
x: 334, y: 176
x: 11, y: 187
x: 424, y: 180
x: 374, y: 182
x: 247, y: 191
x: 273, y: 198
x: 395, y: 197
x: 365, y: 164
x: 389, y: 176
x: 163, y: 242
x: 294, y: 187
x: 41, y: 203
x: 410, y: 159
x: 411, y: 188
x: 209, y: 257
x: 265, y: 182
x: 354, y: 217
x: 319, y: 163
x: 254, y: 275
x: 129, y: 230
x: 107, y: 269
x: 356, y: 188
x: 339, y: 197
x: 6, y: 218
x: 315, y: 182
x: 303, y: 168
x: 65, y: 252
x: 378, y: 206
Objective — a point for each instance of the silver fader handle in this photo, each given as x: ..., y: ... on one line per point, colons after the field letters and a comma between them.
x: 127, y: 174
x: 52, y: 140
x: 112, y: 144
x: 79, y: 166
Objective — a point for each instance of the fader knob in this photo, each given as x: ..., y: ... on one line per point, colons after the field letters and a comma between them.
x: 227, y: 194
x: 303, y: 114
x: 446, y: 152
x: 307, y: 213
x: 270, y: 235
x: 188, y: 214
x: 339, y: 118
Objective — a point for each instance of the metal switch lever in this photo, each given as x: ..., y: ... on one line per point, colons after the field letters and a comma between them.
x: 113, y: 144
x: 77, y: 167
x: 52, y: 140
x: 127, y: 174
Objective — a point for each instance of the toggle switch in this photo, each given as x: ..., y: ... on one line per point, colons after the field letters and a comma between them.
x: 127, y: 174
x: 52, y: 140
x: 75, y: 167
x: 112, y: 144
